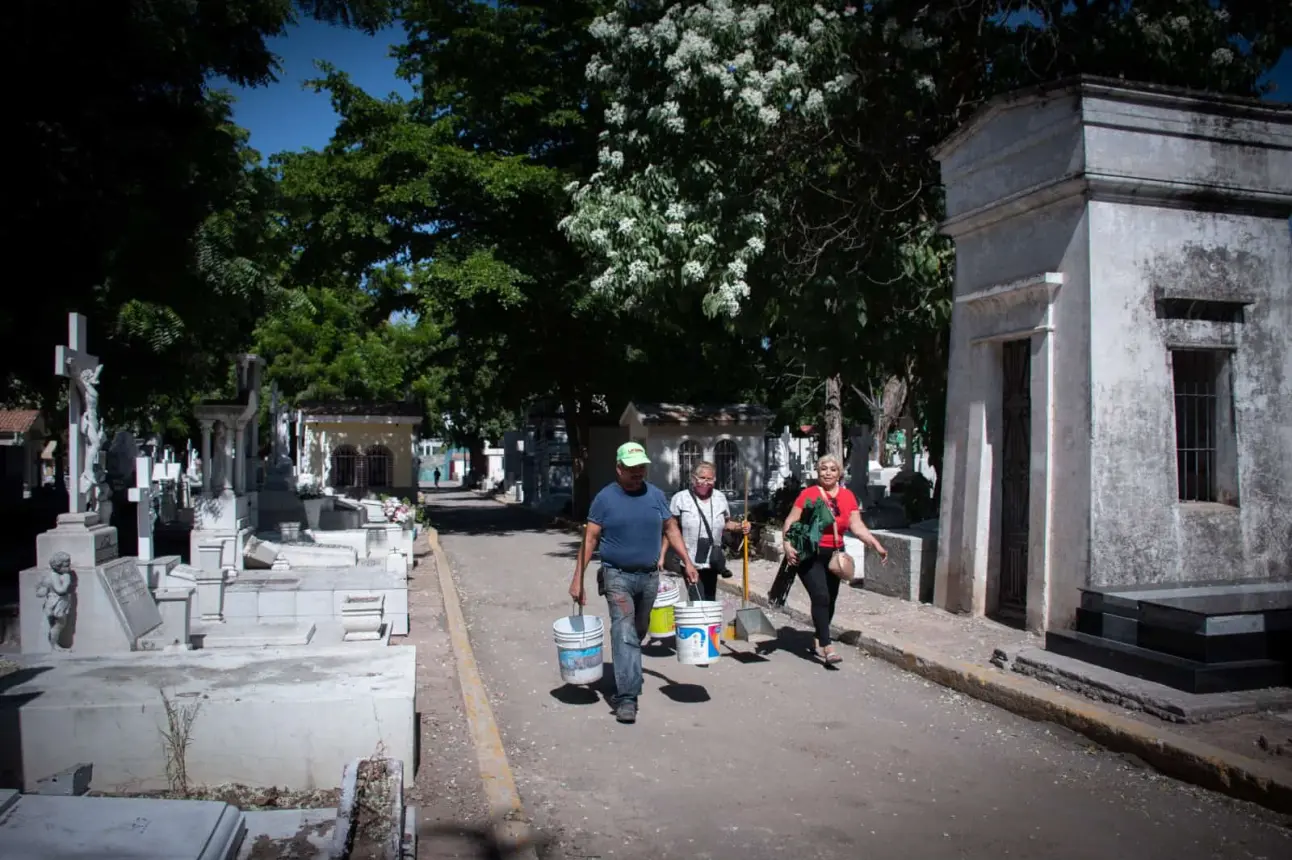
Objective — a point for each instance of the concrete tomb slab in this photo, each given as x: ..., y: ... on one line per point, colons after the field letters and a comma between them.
x: 81, y: 828
x: 312, y: 710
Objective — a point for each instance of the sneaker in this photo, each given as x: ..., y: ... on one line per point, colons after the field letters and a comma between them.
x: 626, y: 712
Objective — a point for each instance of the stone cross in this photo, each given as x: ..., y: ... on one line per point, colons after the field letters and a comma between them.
x: 71, y: 361
x: 142, y: 493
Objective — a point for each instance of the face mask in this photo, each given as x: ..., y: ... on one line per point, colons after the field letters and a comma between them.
x: 703, y: 491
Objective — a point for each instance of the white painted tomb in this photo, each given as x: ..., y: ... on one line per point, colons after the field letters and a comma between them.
x: 1120, y: 391
x: 75, y: 828
x: 312, y: 710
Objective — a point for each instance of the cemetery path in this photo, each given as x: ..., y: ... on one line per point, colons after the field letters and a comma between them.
x: 780, y: 757
x: 446, y: 789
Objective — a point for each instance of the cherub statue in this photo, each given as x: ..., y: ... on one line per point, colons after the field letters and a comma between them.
x: 55, y: 591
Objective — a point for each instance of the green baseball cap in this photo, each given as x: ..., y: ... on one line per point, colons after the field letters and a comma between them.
x: 632, y: 454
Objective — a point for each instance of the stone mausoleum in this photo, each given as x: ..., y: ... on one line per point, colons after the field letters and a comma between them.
x: 1120, y: 406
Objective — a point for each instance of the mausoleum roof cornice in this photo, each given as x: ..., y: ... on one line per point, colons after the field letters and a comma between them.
x: 1093, y: 86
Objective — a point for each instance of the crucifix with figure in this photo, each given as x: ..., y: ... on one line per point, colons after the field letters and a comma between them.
x: 72, y: 361
x: 142, y: 493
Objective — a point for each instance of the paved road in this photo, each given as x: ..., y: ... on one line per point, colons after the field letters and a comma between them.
x: 784, y: 758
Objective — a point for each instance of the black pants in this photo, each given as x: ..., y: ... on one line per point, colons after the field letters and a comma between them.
x: 823, y: 587
x: 708, y: 583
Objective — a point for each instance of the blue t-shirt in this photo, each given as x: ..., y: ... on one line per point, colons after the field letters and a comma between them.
x: 632, y: 525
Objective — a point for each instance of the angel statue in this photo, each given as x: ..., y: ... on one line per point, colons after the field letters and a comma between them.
x: 55, y: 591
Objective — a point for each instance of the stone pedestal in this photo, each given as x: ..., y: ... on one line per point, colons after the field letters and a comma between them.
x: 84, y: 537
x: 361, y: 618
x: 222, y: 511
x: 155, y: 570
x: 174, y: 634
x: 210, y: 595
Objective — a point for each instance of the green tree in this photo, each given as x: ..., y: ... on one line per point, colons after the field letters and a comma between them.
x: 772, y: 157
x: 138, y: 189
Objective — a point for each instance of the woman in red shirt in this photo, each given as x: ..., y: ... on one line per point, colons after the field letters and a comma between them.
x: 823, y: 586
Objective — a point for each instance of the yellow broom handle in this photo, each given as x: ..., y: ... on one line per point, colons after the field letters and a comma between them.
x: 746, y: 539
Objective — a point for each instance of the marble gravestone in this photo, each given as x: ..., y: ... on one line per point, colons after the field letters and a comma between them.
x: 127, y: 593
x: 34, y: 826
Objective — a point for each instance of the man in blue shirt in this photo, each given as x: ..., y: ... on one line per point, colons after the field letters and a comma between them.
x: 628, y: 519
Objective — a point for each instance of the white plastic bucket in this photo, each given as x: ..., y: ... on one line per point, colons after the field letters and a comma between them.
x: 578, y: 648
x: 699, y: 625
x: 669, y: 594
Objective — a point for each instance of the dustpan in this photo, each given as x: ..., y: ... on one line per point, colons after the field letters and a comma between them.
x: 751, y: 621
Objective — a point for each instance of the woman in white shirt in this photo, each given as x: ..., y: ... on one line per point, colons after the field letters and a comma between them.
x: 703, y: 513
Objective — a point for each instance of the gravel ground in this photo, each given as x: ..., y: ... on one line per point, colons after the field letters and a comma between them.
x: 776, y: 756
x: 447, y: 788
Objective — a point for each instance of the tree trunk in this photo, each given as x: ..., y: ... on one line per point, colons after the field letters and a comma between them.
x: 834, y: 416
x: 576, y: 412
x: 892, y: 403
x: 479, y: 468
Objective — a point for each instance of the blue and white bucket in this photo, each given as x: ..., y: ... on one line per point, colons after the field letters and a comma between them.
x: 578, y: 648
x: 699, y: 625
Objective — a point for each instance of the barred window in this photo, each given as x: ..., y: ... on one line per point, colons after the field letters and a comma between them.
x: 345, y: 466
x: 726, y: 457
x: 1205, y: 442
x: 377, y: 469
x: 688, y: 454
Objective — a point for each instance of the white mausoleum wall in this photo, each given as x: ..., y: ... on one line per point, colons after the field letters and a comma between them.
x: 1075, y: 213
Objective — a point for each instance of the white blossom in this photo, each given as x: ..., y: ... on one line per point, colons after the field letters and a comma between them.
x: 1222, y: 56
x: 649, y: 209
x: 637, y: 271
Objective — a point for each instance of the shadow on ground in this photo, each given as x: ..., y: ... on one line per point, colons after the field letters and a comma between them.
x: 604, y: 690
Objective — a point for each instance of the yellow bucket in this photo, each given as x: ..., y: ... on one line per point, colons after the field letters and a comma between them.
x: 661, y: 622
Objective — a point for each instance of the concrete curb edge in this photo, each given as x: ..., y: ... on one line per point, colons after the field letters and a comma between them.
x: 496, y: 776
x: 1172, y: 754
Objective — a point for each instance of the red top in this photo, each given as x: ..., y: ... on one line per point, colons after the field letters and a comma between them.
x: 846, y: 503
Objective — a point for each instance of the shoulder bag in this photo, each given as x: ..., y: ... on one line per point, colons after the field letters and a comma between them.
x: 717, y: 558
x: 841, y: 564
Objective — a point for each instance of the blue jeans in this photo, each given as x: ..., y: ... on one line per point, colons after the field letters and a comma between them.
x: 631, y: 597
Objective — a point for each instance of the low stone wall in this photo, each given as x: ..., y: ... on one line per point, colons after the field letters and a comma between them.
x: 288, y: 717
x: 909, y: 573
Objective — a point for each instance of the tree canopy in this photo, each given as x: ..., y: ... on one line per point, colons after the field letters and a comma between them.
x: 582, y: 202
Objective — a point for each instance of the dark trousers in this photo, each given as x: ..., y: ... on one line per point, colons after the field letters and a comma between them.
x: 708, y: 583
x: 823, y: 587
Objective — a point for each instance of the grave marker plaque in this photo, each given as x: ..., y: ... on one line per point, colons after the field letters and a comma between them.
x: 127, y: 591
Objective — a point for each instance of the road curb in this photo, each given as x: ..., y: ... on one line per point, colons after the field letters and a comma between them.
x: 495, y: 771
x: 1173, y: 754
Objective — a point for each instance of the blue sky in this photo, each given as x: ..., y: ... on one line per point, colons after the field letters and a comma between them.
x: 282, y: 116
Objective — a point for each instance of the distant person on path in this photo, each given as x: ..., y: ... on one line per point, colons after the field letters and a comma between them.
x: 436, y: 476
x: 703, y: 514
x: 628, y: 519
x: 814, y: 571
